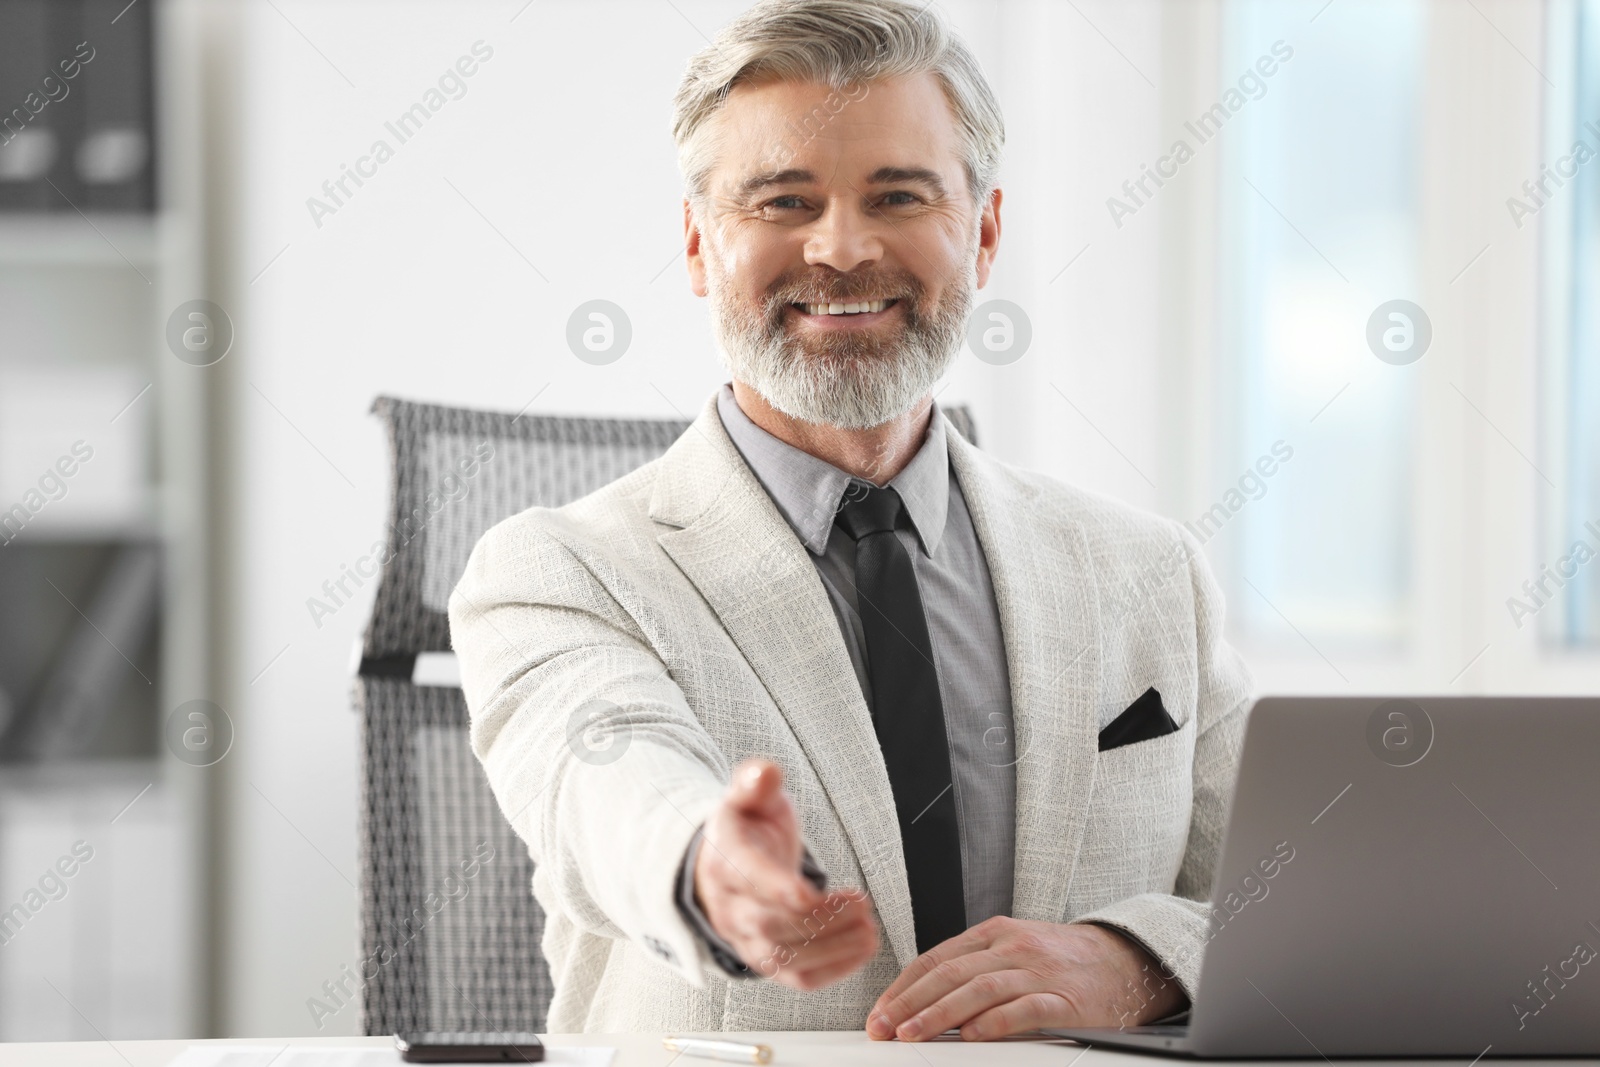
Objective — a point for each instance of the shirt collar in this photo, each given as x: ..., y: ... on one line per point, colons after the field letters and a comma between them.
x: 808, y: 490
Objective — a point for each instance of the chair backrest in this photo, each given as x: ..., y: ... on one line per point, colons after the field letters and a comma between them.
x: 449, y: 937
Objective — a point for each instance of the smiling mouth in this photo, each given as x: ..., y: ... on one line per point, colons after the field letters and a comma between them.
x: 860, y: 307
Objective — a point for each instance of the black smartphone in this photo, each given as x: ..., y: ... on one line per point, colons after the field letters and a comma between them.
x: 469, y: 1047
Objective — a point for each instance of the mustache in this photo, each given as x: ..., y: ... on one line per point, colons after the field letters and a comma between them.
x: 846, y: 290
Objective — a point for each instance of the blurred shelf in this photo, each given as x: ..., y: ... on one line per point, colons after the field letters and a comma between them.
x: 68, y: 778
x: 69, y: 238
x: 77, y: 533
x: 85, y: 348
x: 97, y: 866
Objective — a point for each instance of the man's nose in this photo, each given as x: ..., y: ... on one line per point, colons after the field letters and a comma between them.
x: 845, y: 236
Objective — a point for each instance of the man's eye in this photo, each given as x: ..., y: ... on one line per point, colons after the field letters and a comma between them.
x: 784, y: 202
x: 911, y: 198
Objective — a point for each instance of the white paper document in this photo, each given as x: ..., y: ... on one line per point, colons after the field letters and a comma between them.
x: 265, y: 1055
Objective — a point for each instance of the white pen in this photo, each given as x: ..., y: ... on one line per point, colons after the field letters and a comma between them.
x: 729, y: 1051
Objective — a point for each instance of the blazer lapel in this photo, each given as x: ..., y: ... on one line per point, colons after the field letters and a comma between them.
x: 1039, y: 565
x: 734, y: 545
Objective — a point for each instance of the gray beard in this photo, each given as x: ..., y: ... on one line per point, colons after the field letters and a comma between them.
x: 854, y: 381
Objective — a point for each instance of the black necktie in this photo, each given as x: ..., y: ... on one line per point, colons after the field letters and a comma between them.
x: 906, y: 711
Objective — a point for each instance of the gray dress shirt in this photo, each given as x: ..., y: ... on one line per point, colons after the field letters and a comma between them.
x: 963, y: 625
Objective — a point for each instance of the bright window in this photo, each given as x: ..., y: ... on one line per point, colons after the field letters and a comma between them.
x: 1564, y: 200
x: 1318, y: 191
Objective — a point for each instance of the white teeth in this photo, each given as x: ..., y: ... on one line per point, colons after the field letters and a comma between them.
x: 854, y: 308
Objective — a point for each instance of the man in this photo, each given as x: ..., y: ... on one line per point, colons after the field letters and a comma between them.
x: 826, y: 719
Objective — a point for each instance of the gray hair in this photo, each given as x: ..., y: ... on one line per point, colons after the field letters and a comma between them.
x: 840, y: 43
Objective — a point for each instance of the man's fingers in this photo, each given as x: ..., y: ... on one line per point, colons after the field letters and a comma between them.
x: 821, y: 977
x: 821, y: 927
x: 858, y: 944
x: 971, y: 997
x: 817, y: 965
x: 755, y: 835
x: 757, y: 788
x: 838, y: 915
x: 973, y: 939
x: 738, y: 867
x: 1018, y: 1016
x: 774, y: 945
x: 761, y: 921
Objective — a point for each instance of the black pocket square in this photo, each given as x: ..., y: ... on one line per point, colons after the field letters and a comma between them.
x: 1146, y: 719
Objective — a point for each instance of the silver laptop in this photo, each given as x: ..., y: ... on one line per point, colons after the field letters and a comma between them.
x: 1403, y: 877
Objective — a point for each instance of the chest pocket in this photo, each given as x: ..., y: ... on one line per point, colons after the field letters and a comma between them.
x: 1138, y: 824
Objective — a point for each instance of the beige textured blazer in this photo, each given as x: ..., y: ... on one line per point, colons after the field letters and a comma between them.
x: 619, y: 655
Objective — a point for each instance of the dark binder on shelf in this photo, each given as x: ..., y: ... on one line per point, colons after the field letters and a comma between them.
x: 77, y: 106
x: 81, y: 690
x: 30, y: 146
x: 113, y: 155
x: 62, y: 70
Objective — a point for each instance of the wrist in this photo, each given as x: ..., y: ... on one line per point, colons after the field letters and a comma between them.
x: 692, y: 908
x: 1149, y: 991
x: 697, y: 858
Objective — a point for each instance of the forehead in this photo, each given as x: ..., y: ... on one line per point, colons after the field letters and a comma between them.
x: 903, y: 121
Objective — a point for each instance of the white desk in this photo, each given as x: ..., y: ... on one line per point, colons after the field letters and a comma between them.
x: 836, y: 1049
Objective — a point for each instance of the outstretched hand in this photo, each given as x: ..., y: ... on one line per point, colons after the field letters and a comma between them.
x: 748, y: 882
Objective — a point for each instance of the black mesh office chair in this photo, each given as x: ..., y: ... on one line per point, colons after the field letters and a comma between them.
x: 449, y: 942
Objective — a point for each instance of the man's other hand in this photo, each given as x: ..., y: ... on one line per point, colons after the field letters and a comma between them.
x: 748, y: 883
x: 1006, y: 976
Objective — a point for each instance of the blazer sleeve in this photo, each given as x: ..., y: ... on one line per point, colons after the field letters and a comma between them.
x: 589, y: 745
x: 1175, y: 927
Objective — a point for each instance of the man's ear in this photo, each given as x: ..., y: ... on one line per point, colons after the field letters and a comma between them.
x: 989, y: 238
x: 691, y: 250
